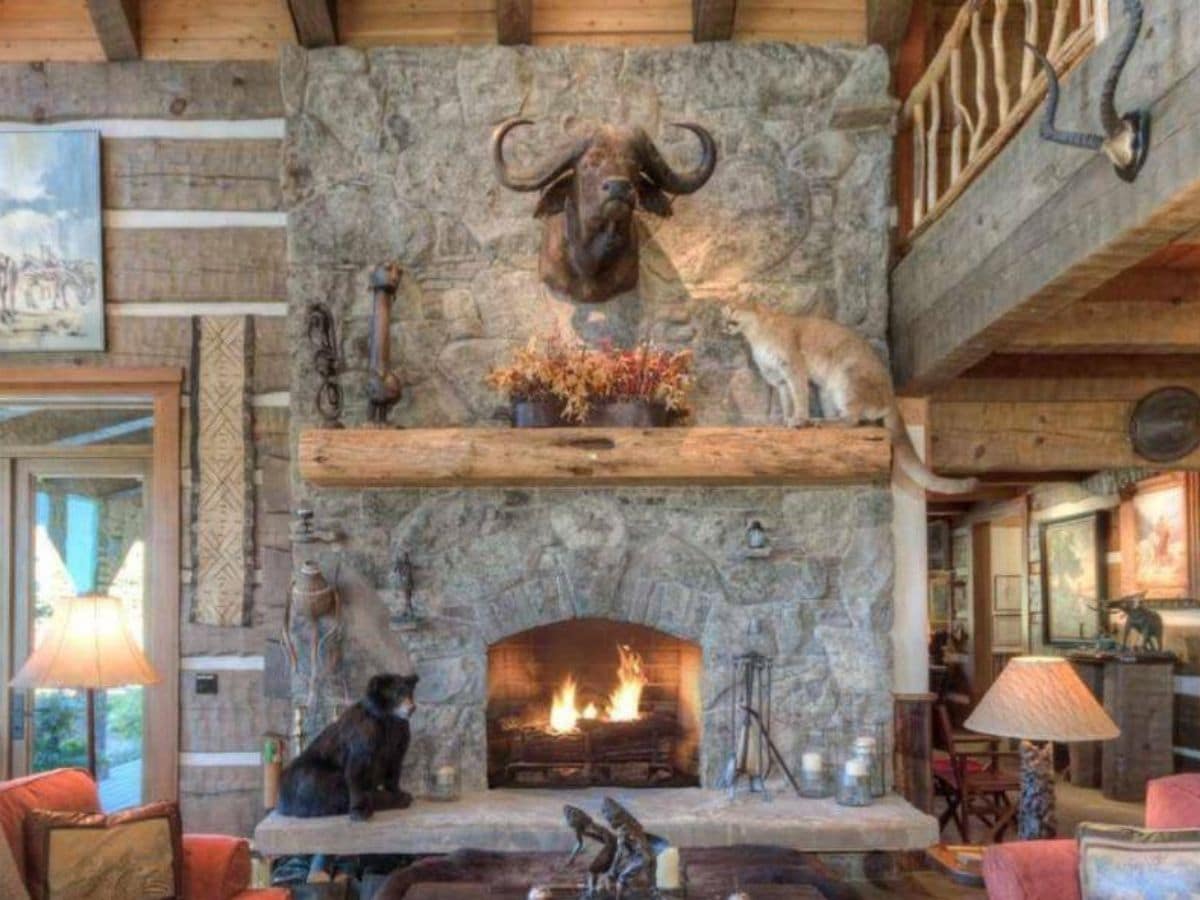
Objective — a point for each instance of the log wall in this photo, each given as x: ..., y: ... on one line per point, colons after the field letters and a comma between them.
x: 193, y: 230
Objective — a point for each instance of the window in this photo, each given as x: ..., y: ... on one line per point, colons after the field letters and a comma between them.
x: 89, y: 502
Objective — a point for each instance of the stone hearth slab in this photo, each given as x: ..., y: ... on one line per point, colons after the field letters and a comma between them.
x: 532, y: 820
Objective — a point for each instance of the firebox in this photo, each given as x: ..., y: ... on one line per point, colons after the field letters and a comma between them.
x: 593, y: 702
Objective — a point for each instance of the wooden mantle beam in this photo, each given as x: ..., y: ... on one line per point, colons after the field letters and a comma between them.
x: 458, y: 457
x: 315, y: 22
x: 712, y: 20
x: 116, y: 25
x: 514, y: 22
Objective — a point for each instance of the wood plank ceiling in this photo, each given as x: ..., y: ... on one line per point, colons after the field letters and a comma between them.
x: 95, y: 30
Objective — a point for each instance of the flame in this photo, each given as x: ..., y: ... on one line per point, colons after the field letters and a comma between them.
x: 563, y: 714
x: 625, y: 701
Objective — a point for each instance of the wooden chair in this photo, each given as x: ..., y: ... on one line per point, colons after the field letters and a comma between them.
x: 969, y: 777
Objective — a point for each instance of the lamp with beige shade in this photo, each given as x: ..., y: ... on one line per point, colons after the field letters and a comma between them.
x: 88, y: 647
x: 1040, y: 700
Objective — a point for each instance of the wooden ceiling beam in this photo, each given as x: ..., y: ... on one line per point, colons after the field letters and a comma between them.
x: 116, y: 25
x: 712, y: 20
x: 1067, y: 415
x: 1139, y: 311
x: 514, y: 22
x: 315, y: 22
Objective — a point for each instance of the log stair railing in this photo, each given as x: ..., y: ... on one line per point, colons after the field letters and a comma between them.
x: 583, y: 457
x: 974, y: 86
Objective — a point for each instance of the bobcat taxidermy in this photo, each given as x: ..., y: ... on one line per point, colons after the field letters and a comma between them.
x: 854, y: 384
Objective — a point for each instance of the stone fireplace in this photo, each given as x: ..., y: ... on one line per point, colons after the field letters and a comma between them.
x: 516, y: 589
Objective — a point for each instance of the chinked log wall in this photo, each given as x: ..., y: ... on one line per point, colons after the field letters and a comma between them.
x: 193, y: 230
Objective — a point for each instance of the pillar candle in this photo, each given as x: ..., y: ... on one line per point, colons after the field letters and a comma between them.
x: 668, y: 870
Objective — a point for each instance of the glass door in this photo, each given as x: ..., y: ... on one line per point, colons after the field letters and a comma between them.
x: 80, y: 526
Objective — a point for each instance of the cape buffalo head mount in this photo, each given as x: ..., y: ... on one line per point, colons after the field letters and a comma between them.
x: 1126, y: 138
x: 589, y: 192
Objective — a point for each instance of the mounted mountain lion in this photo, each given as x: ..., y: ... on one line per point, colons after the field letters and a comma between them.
x: 855, y: 386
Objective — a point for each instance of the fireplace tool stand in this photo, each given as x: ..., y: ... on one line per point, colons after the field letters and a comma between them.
x: 754, y: 753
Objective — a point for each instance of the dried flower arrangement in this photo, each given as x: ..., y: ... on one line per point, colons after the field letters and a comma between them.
x: 579, y: 378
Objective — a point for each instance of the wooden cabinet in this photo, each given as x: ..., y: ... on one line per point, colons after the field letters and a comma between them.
x: 1139, y: 694
x: 1140, y: 697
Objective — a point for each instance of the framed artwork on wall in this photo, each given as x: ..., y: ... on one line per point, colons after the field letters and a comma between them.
x: 1073, y: 578
x: 1158, y: 532
x: 51, y: 249
x: 940, y: 612
x: 1006, y: 593
x: 938, y: 535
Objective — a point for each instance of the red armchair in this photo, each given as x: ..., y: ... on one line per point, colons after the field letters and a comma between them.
x: 1033, y: 870
x: 214, y: 867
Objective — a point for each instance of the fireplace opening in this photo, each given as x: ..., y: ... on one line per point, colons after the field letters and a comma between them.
x: 592, y: 702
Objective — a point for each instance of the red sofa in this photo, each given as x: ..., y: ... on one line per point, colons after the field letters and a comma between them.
x: 1032, y: 870
x: 215, y: 867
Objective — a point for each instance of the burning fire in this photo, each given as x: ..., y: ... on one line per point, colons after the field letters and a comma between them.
x: 624, y: 703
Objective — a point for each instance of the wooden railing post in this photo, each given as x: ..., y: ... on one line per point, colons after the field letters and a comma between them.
x: 975, y: 136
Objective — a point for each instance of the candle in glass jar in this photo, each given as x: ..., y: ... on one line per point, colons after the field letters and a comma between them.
x: 667, y: 878
x: 856, y: 768
x: 445, y: 777
x: 811, y: 762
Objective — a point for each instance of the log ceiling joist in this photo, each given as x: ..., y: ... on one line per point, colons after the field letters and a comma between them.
x: 1046, y: 225
x: 116, y: 25
x: 514, y: 22
x: 712, y: 20
x: 315, y: 22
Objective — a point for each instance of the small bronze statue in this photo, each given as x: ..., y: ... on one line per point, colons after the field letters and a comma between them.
x: 383, y: 384
x: 584, y: 827
x: 1140, y: 618
x: 628, y: 857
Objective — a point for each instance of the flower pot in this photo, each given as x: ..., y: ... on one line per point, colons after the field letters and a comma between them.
x: 537, y: 414
x: 627, y: 414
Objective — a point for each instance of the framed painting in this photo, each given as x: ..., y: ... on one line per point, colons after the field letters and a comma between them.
x: 1073, y: 568
x: 1157, y: 533
x: 940, y: 612
x: 1006, y: 593
x: 51, y: 250
x: 938, y: 539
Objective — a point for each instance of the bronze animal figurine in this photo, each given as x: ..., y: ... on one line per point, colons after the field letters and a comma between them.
x: 637, y: 859
x: 1126, y: 138
x: 584, y: 827
x: 1140, y: 618
x: 589, y: 191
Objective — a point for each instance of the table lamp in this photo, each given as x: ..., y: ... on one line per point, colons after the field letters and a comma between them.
x: 1040, y: 699
x: 88, y: 647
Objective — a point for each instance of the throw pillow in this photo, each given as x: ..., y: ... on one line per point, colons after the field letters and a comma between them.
x: 1138, y: 863
x: 135, y: 854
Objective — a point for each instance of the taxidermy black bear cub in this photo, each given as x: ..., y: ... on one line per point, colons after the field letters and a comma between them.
x: 354, y: 764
